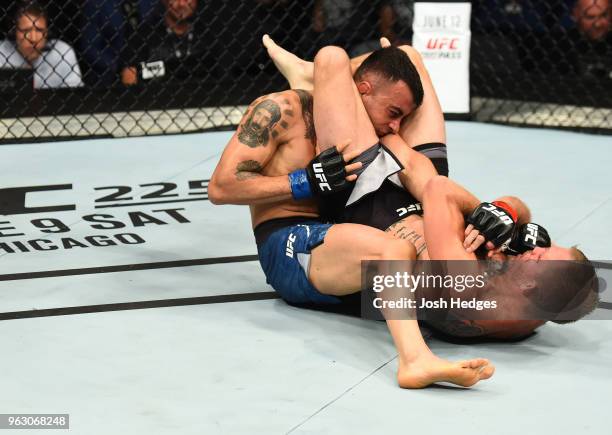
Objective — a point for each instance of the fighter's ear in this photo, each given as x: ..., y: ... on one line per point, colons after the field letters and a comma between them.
x: 364, y: 87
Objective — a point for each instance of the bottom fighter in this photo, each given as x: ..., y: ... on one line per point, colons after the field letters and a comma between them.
x: 268, y: 164
x: 380, y: 208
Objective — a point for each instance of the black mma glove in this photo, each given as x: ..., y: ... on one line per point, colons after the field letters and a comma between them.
x: 324, y: 175
x: 494, y: 220
x: 528, y: 237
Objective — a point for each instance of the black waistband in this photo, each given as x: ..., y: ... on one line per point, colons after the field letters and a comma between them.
x: 264, y: 229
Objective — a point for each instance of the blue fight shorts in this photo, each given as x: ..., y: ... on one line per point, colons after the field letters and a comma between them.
x: 284, y: 255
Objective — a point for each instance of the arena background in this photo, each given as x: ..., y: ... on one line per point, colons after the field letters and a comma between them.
x: 135, y: 305
x: 527, y: 64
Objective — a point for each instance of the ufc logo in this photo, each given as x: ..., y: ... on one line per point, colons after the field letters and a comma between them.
x: 289, y: 249
x: 411, y: 208
x: 318, y: 170
x: 13, y: 200
x: 532, y: 234
x: 442, y: 43
x: 499, y: 213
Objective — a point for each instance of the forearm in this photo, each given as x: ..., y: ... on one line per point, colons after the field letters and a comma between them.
x: 464, y: 199
x: 523, y: 212
x: 418, y: 169
x: 443, y: 219
x: 417, y: 173
x: 454, y: 195
x: 249, y: 188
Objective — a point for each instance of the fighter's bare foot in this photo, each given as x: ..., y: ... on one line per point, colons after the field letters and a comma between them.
x: 430, y: 369
x: 298, y: 72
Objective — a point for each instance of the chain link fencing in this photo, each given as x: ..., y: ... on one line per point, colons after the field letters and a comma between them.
x: 112, y: 68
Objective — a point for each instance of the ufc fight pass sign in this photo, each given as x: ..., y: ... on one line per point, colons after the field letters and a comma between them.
x: 442, y: 36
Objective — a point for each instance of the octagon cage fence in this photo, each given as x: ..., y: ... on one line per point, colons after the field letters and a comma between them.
x: 115, y: 68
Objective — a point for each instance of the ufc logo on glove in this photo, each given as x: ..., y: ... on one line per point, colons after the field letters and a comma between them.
x: 321, y: 177
x: 532, y: 233
x: 500, y: 214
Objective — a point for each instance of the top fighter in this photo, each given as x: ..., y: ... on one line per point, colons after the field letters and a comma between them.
x: 297, y: 251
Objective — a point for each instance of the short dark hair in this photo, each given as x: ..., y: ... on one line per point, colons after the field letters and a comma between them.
x: 30, y: 8
x: 570, y: 289
x: 393, y: 64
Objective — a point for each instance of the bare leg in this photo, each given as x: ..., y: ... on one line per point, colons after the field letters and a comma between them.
x: 418, y: 366
x: 426, y: 124
x: 352, y: 243
x: 339, y: 114
x: 338, y: 110
x: 298, y: 72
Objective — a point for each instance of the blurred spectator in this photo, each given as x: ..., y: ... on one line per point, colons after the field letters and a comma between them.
x: 592, y: 18
x: 548, y: 39
x: 590, y: 46
x: 395, y: 21
x: 54, y: 62
x: 509, y: 16
x: 274, y: 17
x: 106, y: 27
x: 580, y: 44
x: 176, y: 46
x: 345, y: 23
x: 241, y: 44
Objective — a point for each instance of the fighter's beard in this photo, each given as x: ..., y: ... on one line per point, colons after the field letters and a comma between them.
x: 253, y: 137
x: 495, y: 268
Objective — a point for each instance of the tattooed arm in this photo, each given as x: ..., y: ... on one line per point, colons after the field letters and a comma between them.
x: 237, y: 178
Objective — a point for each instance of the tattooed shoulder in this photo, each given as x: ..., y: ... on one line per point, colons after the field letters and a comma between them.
x: 306, y: 103
x: 257, y: 127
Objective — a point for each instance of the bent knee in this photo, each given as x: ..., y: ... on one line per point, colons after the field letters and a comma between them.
x: 332, y: 57
x: 412, y: 53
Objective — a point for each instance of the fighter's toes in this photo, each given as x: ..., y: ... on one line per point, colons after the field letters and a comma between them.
x: 474, y: 363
